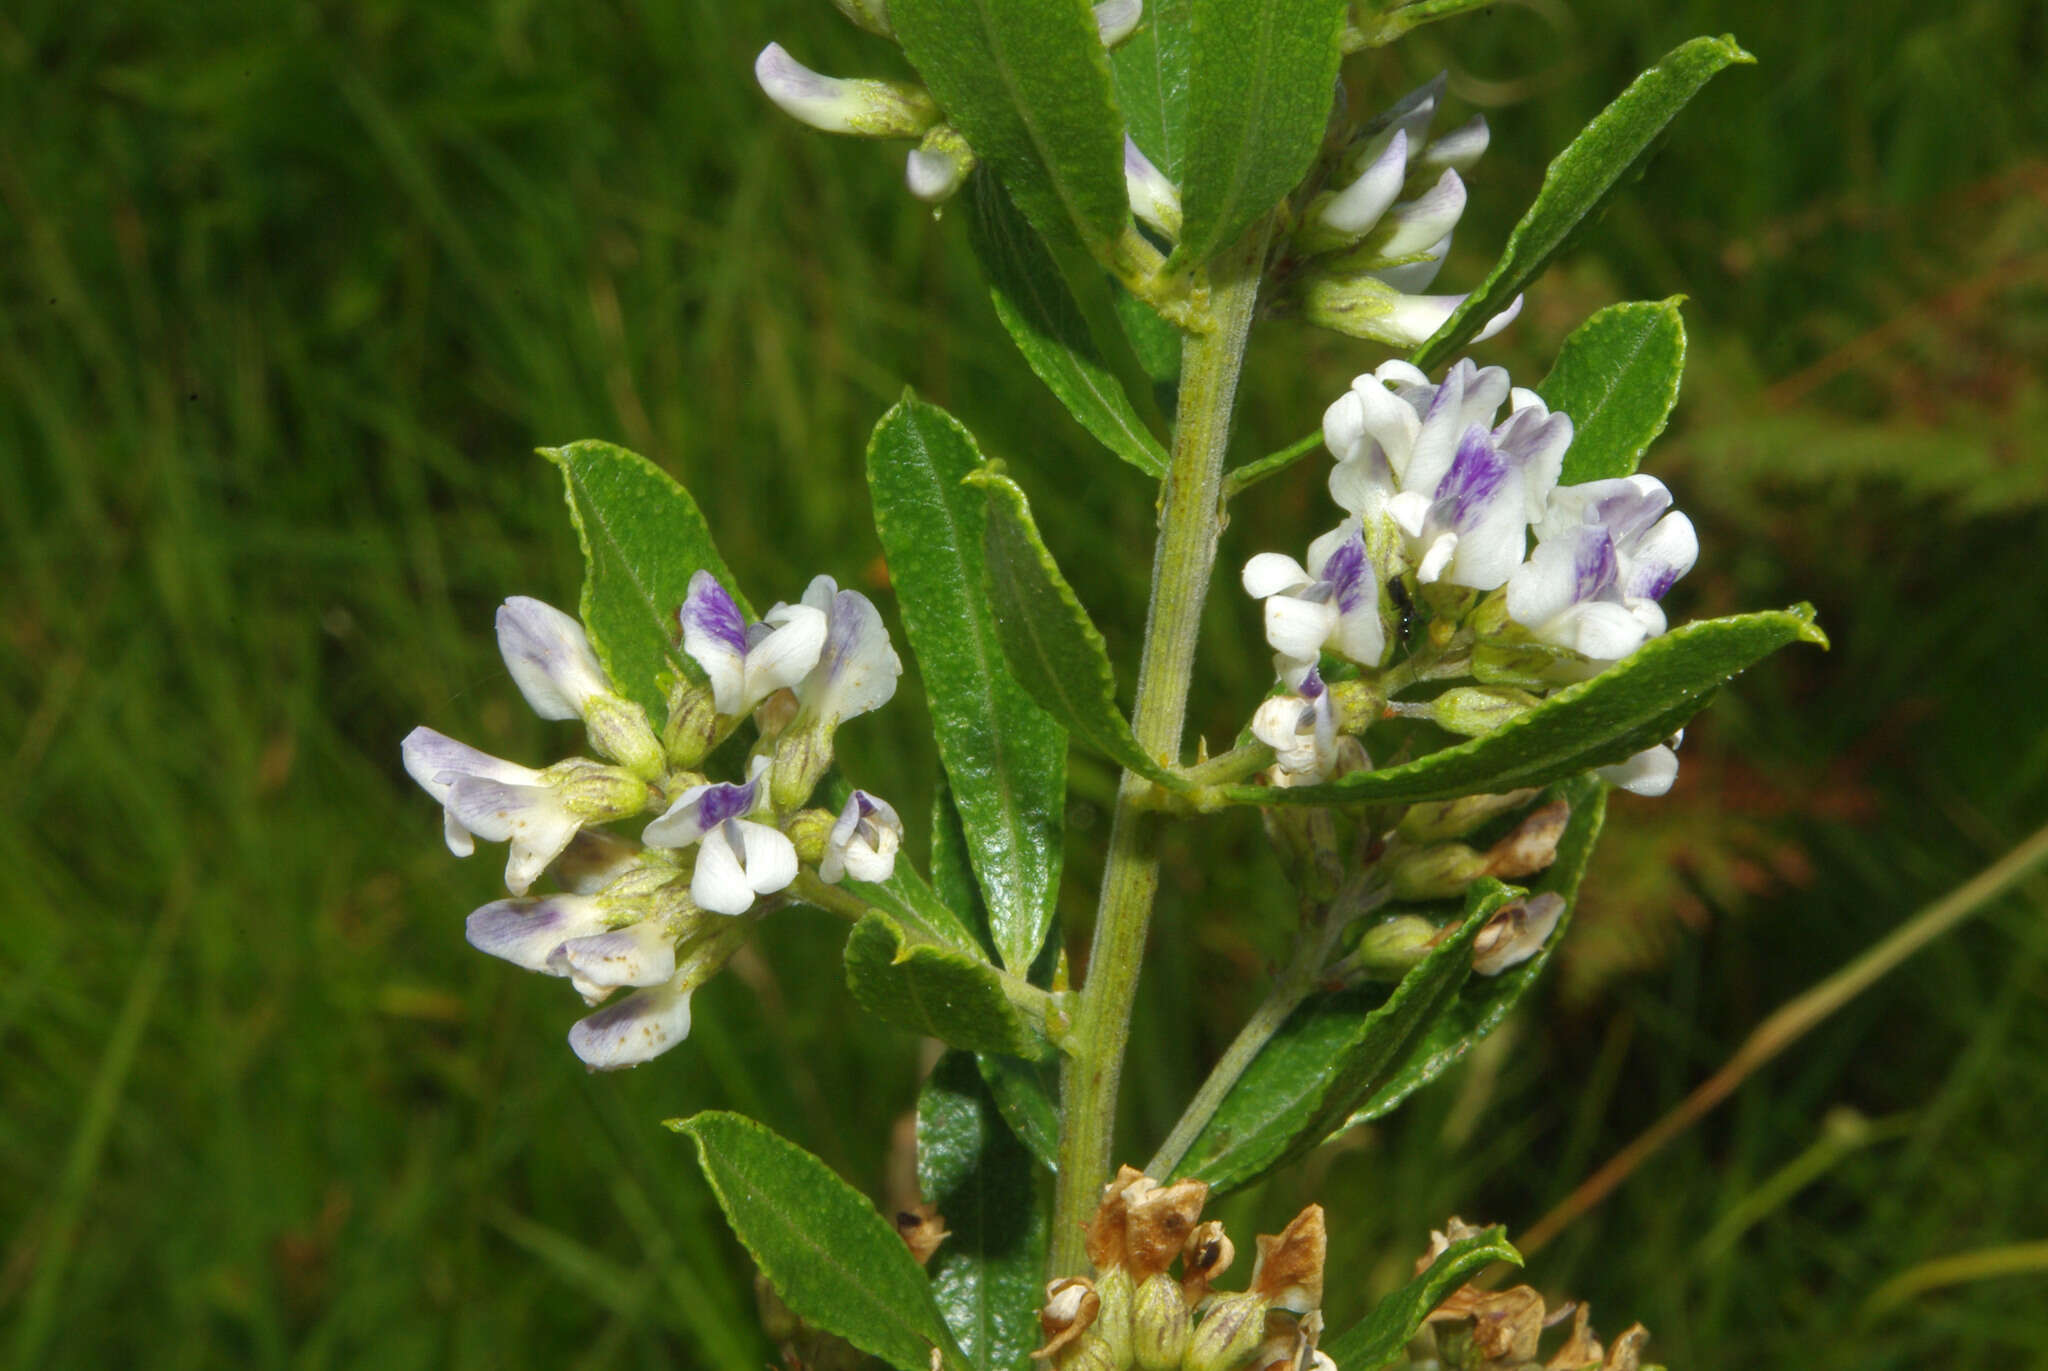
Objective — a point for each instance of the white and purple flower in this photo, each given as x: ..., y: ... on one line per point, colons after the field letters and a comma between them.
x: 746, y: 663
x: 1301, y: 728
x: 1607, y: 551
x: 486, y: 797
x: 1332, y: 602
x: 863, y: 843
x: 865, y: 108
x: 856, y: 668
x: 637, y: 1029
x: 738, y: 859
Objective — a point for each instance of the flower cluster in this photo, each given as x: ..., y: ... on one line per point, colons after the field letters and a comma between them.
x: 1134, y: 1312
x: 1441, y: 502
x: 659, y: 916
x: 1368, y: 246
x: 1501, y: 1330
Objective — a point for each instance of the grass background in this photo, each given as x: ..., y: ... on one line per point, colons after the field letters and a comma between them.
x: 289, y: 290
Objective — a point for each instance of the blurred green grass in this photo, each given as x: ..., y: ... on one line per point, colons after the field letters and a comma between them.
x: 291, y: 290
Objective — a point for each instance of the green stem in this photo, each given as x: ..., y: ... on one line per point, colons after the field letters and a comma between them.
x: 1190, y: 522
x: 1258, y: 1030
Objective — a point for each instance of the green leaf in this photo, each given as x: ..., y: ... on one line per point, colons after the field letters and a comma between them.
x: 1005, y: 757
x: 1052, y: 645
x: 952, y: 868
x: 1155, y: 343
x: 1486, y: 1000
x: 1583, y: 178
x: 988, y: 1275
x: 1032, y: 300
x: 941, y: 992
x: 835, y: 1261
x: 1261, y: 81
x: 643, y: 538
x: 1028, y: 83
x: 1024, y: 1094
x: 1151, y: 69
x: 1628, y: 707
x: 1330, y: 1056
x: 1617, y: 377
x: 1378, y: 1338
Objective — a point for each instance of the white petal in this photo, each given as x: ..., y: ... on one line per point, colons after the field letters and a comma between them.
x: 787, y: 655
x: 1363, y: 487
x: 1485, y: 388
x: 934, y: 174
x: 770, y: 857
x: 1277, y: 724
x: 550, y: 658
x: 1361, y: 637
x: 821, y: 101
x: 1413, y: 226
x: 526, y: 932
x: 1544, y: 586
x: 1650, y: 772
x: 1660, y: 557
x: 1298, y: 628
x: 1390, y: 420
x: 1411, y: 278
x: 720, y: 882
x: 1274, y: 573
x: 1114, y: 20
x: 1410, y: 320
x: 1599, y: 629
x: 435, y: 760
x: 1443, y: 425
x: 1410, y: 512
x: 1153, y: 198
x: 857, y: 670
x: 1437, y: 559
x: 640, y: 954
x: 1460, y: 148
x: 715, y: 637
x: 1359, y: 206
x: 1491, y: 547
x: 820, y: 592
x: 1344, y: 427
x: 1499, y: 321
x: 638, y: 1028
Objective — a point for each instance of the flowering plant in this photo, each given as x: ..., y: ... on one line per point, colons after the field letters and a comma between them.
x: 1462, y: 666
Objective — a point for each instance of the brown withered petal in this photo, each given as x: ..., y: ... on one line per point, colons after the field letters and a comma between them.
x: 1070, y: 1307
x: 1157, y: 1223
x: 1105, y: 1238
x: 1507, y: 1324
x: 1532, y: 846
x: 1289, y: 1271
x: 1455, y: 1230
x: 1581, y: 1350
x: 1208, y: 1254
x: 1515, y: 933
x: 1625, y: 1353
x: 922, y: 1229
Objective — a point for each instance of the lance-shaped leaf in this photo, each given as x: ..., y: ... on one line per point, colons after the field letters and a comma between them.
x: 1006, y: 757
x: 1484, y: 1001
x: 941, y: 992
x: 1032, y: 299
x: 1028, y: 83
x: 1261, y: 80
x: 1617, y: 376
x: 1628, y: 707
x: 1584, y: 177
x: 1378, y: 1338
x: 1052, y: 645
x: 1330, y: 1056
x: 1151, y: 70
x: 835, y: 1261
x: 643, y: 538
x: 987, y: 1276
x: 1024, y: 1094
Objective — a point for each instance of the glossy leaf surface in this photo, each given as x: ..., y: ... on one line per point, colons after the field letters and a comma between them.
x: 1625, y: 709
x: 941, y: 992
x: 1617, y: 376
x: 1006, y: 758
x: 1027, y: 83
x: 988, y: 1276
x: 834, y: 1260
x: 643, y: 537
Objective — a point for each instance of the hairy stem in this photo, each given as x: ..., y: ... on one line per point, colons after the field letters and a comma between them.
x: 1190, y: 521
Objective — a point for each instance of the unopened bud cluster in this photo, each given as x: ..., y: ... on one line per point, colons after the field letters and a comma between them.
x: 661, y: 915
x: 1138, y: 1311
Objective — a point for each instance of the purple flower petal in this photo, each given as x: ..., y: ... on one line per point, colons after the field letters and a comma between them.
x: 711, y: 611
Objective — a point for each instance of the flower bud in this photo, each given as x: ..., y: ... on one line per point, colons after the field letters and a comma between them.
x: 619, y: 730
x: 693, y: 726
x: 1159, y: 1324
x: 595, y: 792
x: 938, y: 166
x: 810, y: 830
x: 1473, y: 711
x: 802, y: 757
x: 1393, y: 945
x: 1229, y: 1333
x: 1438, y: 872
x: 1364, y: 306
x: 867, y: 109
x: 1427, y: 823
x: 1112, y: 1326
x: 1115, y: 19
